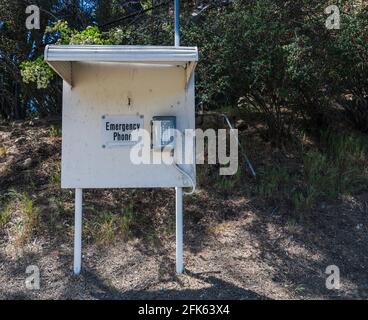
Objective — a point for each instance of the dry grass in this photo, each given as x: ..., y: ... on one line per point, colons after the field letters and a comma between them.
x: 3, y: 150
x: 29, y: 215
x: 107, y: 227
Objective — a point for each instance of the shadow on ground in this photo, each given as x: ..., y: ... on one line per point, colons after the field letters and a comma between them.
x: 92, y: 286
x: 216, y: 289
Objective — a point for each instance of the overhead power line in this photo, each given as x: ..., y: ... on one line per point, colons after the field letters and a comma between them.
x: 201, y: 8
x: 134, y: 14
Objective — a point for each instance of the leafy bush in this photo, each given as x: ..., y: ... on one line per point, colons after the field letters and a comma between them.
x: 275, y: 58
x: 90, y: 35
x: 278, y: 59
x: 38, y: 72
x: 350, y: 63
x: 255, y: 55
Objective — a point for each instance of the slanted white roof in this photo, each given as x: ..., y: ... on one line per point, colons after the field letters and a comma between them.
x: 61, y: 57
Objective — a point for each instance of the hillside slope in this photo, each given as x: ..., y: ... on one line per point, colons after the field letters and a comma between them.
x: 236, y: 245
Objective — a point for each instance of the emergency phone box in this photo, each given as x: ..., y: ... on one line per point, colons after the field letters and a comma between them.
x: 108, y: 93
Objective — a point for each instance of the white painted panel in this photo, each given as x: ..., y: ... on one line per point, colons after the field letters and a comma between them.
x: 108, y: 88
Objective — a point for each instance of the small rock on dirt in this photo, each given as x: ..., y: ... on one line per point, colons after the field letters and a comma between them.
x: 20, y: 140
x: 26, y: 163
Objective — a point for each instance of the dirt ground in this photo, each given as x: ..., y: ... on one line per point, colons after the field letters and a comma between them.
x: 235, y: 246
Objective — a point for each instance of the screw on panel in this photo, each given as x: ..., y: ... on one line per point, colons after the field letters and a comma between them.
x: 103, y: 117
x: 103, y: 146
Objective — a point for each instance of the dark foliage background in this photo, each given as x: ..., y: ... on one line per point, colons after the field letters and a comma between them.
x: 272, y: 58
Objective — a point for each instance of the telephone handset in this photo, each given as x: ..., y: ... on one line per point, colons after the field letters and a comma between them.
x: 163, y: 138
x: 163, y: 132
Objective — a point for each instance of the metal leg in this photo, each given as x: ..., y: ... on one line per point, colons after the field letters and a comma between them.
x: 179, y: 230
x: 78, y: 231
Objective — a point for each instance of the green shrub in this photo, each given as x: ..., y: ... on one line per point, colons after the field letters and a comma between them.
x: 349, y: 63
x: 38, y: 72
x: 273, y: 58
